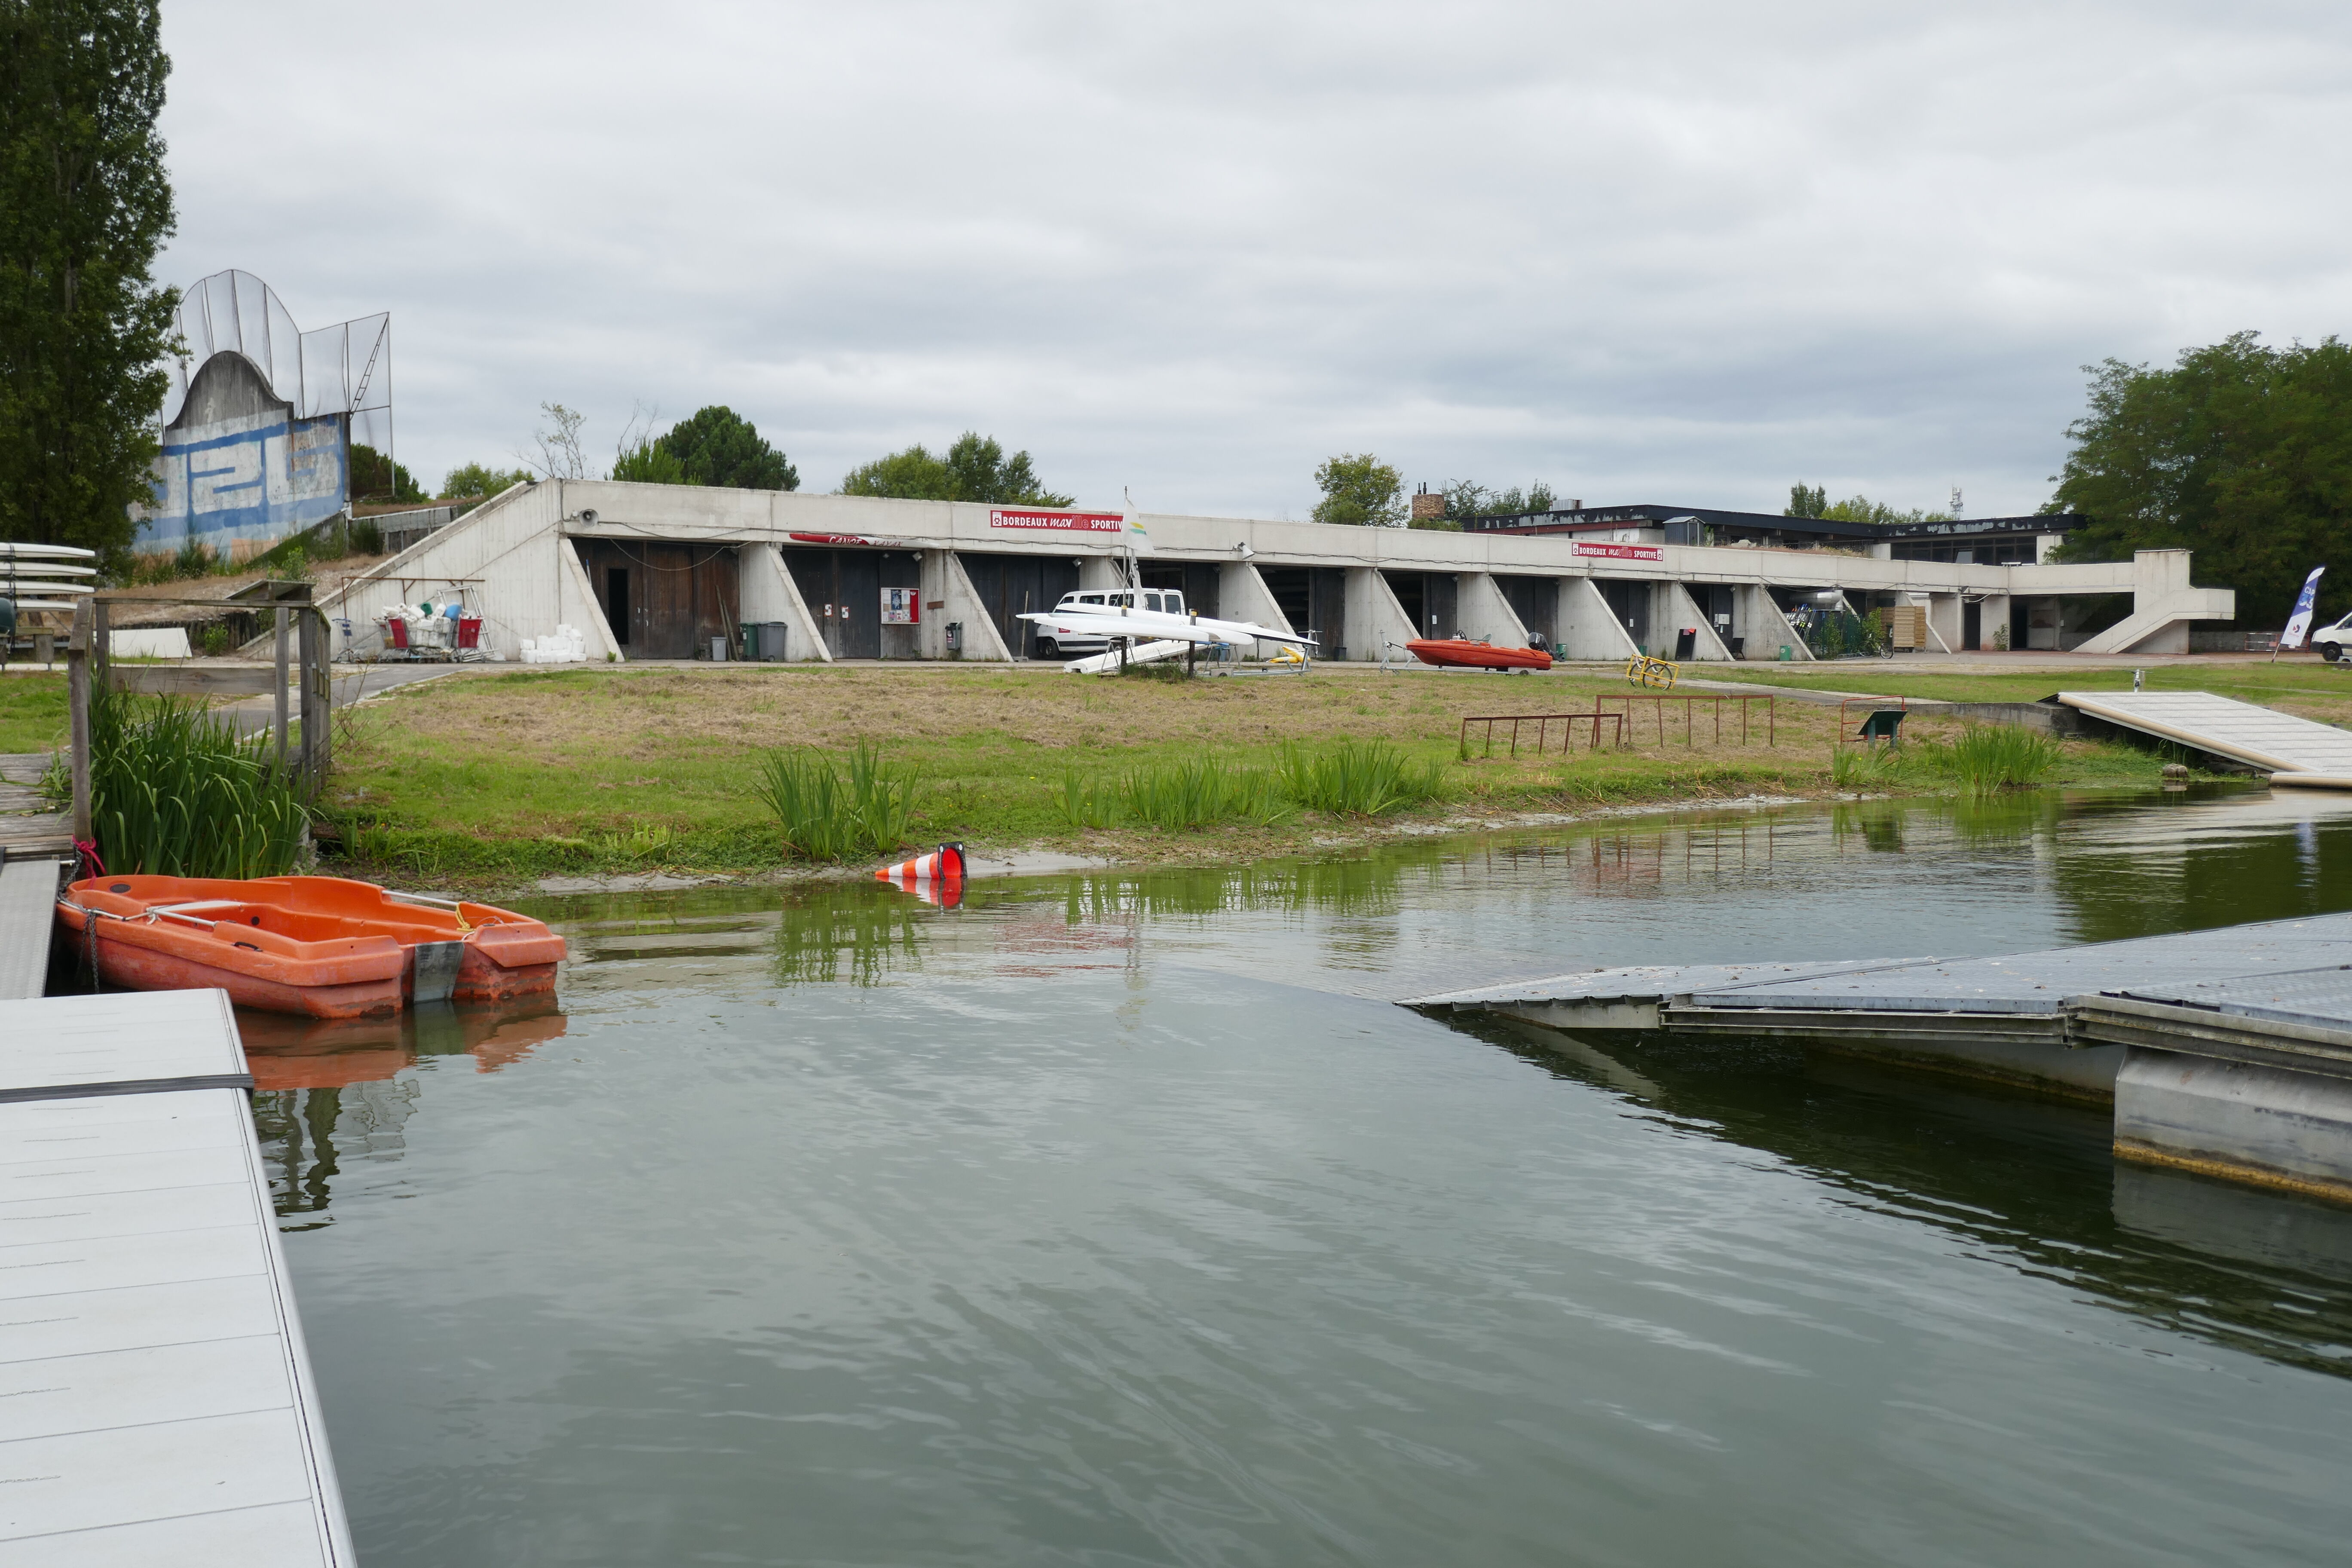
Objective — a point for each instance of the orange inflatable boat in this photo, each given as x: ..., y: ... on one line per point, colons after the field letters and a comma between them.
x: 1461, y: 653
x: 321, y: 947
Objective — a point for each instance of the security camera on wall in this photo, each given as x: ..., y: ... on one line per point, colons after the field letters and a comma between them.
x: 588, y: 517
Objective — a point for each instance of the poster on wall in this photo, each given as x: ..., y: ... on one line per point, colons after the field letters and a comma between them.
x: 901, y: 606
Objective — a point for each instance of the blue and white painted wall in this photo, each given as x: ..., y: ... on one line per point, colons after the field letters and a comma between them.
x: 239, y: 471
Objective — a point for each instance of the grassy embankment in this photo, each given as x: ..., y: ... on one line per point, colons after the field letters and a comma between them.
x: 33, y: 712
x: 481, y: 776
x: 2304, y: 686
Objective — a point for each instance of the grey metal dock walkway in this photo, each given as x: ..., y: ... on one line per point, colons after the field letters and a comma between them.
x: 156, y: 1403
x: 2228, y: 1051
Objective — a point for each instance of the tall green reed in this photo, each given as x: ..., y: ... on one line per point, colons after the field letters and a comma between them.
x: 175, y: 793
x: 827, y: 814
x: 1084, y: 801
x: 1357, y: 778
x: 1986, y: 758
x: 1199, y: 792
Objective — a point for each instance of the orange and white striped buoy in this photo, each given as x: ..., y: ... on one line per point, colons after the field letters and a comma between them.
x: 941, y: 864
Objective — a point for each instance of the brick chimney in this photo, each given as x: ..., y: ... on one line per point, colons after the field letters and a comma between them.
x: 1427, y: 505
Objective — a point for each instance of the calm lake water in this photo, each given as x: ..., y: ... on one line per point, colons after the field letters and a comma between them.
x: 1124, y: 1219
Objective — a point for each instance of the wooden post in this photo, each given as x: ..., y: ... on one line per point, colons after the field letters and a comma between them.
x: 77, y: 700
x: 316, y: 697
x: 281, y: 614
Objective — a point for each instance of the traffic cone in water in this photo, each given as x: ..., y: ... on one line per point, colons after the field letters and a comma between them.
x: 939, y: 866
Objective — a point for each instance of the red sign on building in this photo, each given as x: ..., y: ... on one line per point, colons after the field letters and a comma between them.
x: 1620, y: 552
x: 1057, y: 521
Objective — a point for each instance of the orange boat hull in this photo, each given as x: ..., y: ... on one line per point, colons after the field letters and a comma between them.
x: 318, y: 947
x: 1455, y: 653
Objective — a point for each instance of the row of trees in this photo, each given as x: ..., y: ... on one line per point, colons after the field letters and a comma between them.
x: 1359, y: 489
x: 1813, y: 501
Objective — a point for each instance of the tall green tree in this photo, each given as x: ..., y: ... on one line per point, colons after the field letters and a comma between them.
x: 84, y: 205
x: 716, y: 445
x: 480, y: 480
x: 1814, y: 501
x: 1357, y: 487
x: 975, y: 469
x: 2239, y: 452
x: 376, y: 478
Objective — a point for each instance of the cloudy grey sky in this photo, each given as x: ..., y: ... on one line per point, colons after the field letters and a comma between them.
x: 1680, y: 252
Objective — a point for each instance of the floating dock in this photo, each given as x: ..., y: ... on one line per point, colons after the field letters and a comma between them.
x: 2225, y: 1051
x: 156, y: 1402
x: 27, y: 826
x: 2243, y: 732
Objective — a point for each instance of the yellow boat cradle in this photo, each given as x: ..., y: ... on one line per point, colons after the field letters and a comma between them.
x: 1643, y: 670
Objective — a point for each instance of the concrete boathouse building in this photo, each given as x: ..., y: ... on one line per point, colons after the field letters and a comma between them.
x: 662, y: 571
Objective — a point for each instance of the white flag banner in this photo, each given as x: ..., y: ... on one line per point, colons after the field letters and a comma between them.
x: 2298, y: 626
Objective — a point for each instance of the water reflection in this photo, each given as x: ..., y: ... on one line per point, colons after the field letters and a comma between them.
x: 325, y: 1090
x: 1854, y: 880
x: 2029, y: 1178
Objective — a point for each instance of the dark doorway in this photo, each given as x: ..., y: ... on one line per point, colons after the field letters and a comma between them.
x: 842, y: 590
x: 664, y: 601
x: 616, y: 603
x: 1013, y: 585
x: 1535, y: 601
x: 1429, y: 600
x: 1972, y: 626
x: 1198, y: 581
x: 1314, y: 599
x: 1630, y: 603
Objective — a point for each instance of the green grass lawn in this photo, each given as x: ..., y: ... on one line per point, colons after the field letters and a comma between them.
x: 33, y: 712
x: 2294, y: 686
x: 485, y: 776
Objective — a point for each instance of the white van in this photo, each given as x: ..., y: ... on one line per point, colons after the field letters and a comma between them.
x: 1054, y: 642
x: 2330, y: 640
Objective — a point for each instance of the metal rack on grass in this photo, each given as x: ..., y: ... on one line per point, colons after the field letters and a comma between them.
x: 1657, y: 706
x: 1543, y: 723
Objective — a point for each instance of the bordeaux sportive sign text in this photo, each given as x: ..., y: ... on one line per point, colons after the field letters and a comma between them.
x: 1057, y: 521
x: 1620, y: 552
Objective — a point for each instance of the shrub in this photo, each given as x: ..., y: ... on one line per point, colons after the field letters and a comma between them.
x: 175, y: 793
x: 1358, y: 778
x: 365, y: 537
x: 825, y: 815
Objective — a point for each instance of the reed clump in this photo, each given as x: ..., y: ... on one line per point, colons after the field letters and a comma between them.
x: 1986, y: 757
x: 1086, y: 801
x: 1866, y: 767
x: 1358, y: 778
x: 1200, y: 792
x: 175, y: 793
x: 825, y: 811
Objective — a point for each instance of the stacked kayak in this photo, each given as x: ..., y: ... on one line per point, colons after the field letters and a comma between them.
x: 319, y: 947
x: 1461, y: 653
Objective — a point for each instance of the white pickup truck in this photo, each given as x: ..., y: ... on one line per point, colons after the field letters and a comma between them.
x: 1054, y: 642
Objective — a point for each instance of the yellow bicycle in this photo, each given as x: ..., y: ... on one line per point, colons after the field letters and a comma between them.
x: 1643, y: 670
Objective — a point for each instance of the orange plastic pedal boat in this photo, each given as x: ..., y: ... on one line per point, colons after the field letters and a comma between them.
x: 1461, y: 653
x: 319, y: 947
